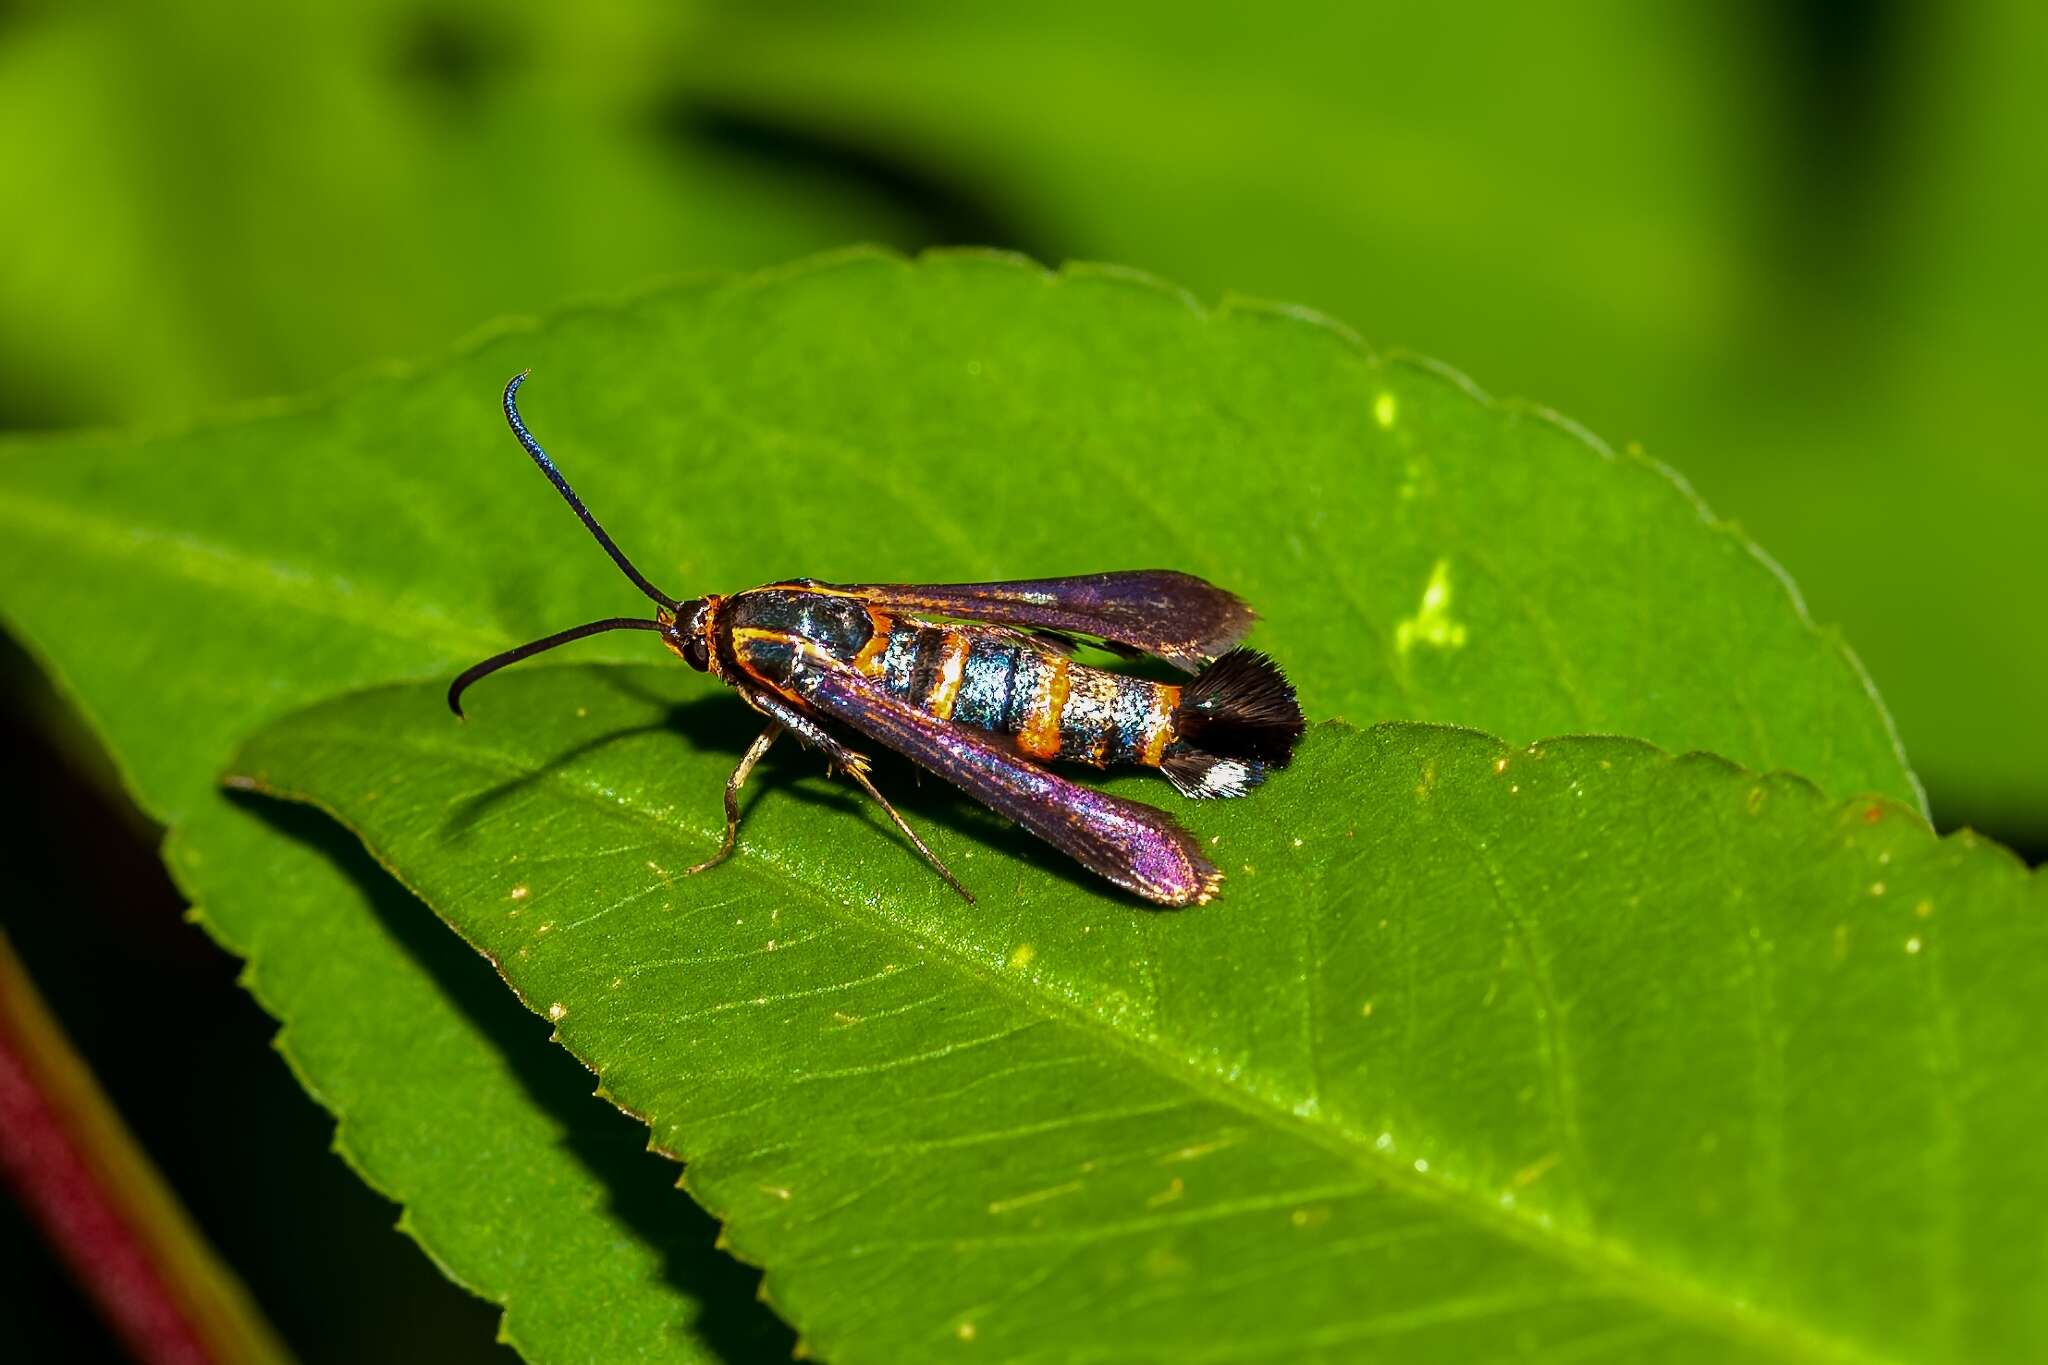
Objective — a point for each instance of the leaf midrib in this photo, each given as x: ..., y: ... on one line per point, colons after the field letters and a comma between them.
x: 1675, y: 1295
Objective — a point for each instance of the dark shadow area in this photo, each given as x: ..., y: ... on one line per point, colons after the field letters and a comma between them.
x: 39, y: 408
x: 641, y: 1186
x: 941, y: 210
x: 14, y: 12
x: 2029, y: 839
x: 466, y: 814
x: 1836, y: 82
x: 1844, y: 63
x: 448, y: 53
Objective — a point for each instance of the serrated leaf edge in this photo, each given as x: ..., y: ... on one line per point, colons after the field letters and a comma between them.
x: 1605, y: 1259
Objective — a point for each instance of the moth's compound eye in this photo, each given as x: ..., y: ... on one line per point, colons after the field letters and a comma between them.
x: 694, y: 653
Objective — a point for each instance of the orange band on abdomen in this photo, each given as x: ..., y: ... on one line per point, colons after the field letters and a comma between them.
x: 1040, y: 737
x: 1159, y: 724
x: 952, y: 665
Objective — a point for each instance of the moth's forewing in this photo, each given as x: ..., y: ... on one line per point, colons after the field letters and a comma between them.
x: 1139, y: 848
x: 1162, y: 612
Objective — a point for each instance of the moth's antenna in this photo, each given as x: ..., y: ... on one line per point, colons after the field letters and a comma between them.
x: 547, y: 467
x: 560, y: 637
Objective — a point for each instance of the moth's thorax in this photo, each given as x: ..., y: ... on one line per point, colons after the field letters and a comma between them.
x: 765, y: 630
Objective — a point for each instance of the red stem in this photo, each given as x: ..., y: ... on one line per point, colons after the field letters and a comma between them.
x: 77, y: 1172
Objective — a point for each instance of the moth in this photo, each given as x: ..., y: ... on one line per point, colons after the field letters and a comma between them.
x: 978, y: 684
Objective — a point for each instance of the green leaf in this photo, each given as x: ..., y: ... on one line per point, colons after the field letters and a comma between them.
x: 1798, y: 261
x: 1417, y: 552
x: 436, y: 1077
x: 1483, y: 1051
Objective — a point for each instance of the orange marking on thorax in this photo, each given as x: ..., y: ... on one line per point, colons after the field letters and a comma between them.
x: 952, y: 665
x: 742, y: 641
x: 1040, y: 737
x: 1159, y: 724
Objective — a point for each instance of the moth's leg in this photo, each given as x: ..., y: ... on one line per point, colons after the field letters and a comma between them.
x: 732, y: 796
x: 860, y: 775
x: 805, y: 729
x: 855, y: 766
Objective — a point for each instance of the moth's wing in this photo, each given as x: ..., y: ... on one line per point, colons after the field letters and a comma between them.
x: 1162, y: 612
x: 1139, y: 848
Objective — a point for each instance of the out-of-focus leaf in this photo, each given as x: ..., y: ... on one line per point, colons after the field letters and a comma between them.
x: 1482, y: 1053
x: 1417, y: 552
x: 1815, y: 289
x: 214, y: 201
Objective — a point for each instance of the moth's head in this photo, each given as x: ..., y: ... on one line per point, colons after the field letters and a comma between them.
x: 686, y: 630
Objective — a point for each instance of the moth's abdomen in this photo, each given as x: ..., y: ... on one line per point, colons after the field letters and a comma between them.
x: 1108, y: 718
x: 1049, y: 706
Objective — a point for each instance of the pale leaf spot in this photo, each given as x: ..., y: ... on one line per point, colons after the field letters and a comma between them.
x: 1002, y: 1206
x: 1432, y: 623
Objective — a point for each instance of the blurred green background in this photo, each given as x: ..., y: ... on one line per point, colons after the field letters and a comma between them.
x: 1792, y: 249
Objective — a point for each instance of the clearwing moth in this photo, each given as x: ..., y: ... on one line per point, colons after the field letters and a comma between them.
x: 976, y: 683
